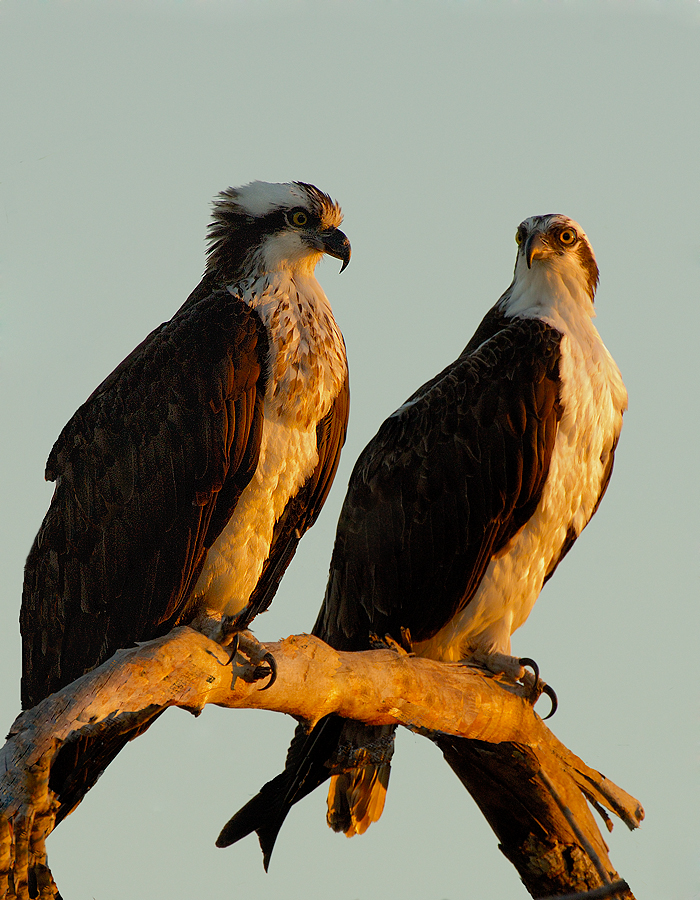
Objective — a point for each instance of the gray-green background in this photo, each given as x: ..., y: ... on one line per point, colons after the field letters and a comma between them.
x: 438, y: 126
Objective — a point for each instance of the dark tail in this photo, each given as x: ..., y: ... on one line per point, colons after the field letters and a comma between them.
x: 264, y: 814
x: 305, y: 770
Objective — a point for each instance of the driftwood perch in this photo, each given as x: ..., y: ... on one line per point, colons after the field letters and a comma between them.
x: 530, y: 787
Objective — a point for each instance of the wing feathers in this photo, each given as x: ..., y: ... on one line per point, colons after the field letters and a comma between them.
x: 139, y: 470
x: 443, y: 486
x: 446, y: 483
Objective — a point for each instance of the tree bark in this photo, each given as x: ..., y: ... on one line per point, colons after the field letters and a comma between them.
x: 531, y: 789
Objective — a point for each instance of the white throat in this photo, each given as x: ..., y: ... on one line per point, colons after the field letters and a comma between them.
x: 552, y: 288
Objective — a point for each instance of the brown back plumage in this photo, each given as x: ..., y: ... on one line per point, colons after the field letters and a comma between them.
x: 443, y: 486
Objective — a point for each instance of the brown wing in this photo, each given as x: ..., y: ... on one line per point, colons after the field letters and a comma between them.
x: 447, y: 481
x: 147, y: 473
x: 445, y: 484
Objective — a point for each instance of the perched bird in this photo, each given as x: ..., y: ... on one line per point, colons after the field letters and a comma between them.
x: 461, y: 508
x: 186, y: 480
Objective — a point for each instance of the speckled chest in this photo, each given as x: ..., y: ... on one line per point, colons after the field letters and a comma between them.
x: 307, y: 370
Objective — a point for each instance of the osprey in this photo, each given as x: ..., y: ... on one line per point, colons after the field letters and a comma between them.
x: 185, y: 481
x: 461, y: 508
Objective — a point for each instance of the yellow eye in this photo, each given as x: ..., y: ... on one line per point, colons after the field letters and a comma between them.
x: 518, y: 237
x: 567, y: 236
x: 299, y: 218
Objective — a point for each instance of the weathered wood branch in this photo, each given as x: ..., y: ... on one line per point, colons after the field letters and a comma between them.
x: 529, y: 786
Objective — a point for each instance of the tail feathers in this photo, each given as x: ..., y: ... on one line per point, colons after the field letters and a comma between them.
x: 357, y: 759
x: 306, y: 768
x: 360, y: 770
x: 264, y: 814
x: 356, y: 798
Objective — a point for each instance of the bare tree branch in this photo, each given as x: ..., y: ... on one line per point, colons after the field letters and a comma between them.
x: 607, y: 890
x: 444, y: 701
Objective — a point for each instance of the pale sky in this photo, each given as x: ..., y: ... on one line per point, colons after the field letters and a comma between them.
x: 438, y: 126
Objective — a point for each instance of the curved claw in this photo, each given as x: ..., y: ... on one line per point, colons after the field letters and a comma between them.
x: 270, y: 660
x: 526, y: 661
x: 551, y: 693
x: 540, y: 687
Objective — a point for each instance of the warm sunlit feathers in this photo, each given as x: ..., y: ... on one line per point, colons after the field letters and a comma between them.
x: 327, y: 210
x: 559, y: 240
x: 244, y: 216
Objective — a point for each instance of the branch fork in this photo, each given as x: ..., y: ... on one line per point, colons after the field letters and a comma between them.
x: 447, y: 702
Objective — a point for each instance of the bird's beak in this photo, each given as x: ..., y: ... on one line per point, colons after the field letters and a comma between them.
x: 335, y: 243
x: 537, y: 247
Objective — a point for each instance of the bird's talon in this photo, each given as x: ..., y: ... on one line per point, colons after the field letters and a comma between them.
x: 270, y: 670
x: 551, y: 693
x: 526, y: 662
x: 540, y: 687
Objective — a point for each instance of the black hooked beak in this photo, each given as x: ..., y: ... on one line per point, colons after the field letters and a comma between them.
x: 536, y: 247
x: 335, y: 243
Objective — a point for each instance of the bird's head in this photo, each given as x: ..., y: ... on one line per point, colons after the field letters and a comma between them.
x: 267, y: 227
x: 555, y: 246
